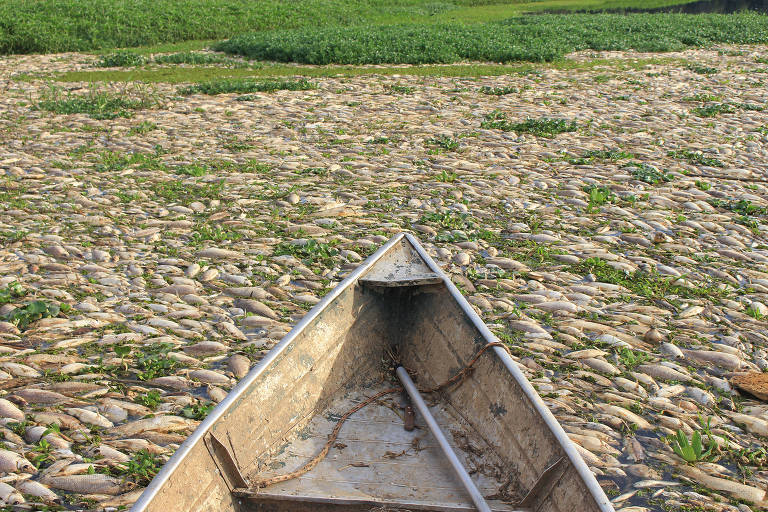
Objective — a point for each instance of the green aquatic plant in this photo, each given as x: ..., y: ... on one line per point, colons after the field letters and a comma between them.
x: 693, y: 450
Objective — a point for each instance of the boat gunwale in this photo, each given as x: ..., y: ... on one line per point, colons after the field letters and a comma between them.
x: 541, y: 408
x: 557, y: 430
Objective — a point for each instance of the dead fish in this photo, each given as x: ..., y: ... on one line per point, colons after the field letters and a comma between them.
x: 134, y: 445
x: 184, y: 358
x: 96, y: 483
x: 163, y: 438
x: 205, y: 348
x: 752, y: 424
x: 11, y: 462
x: 643, y: 484
x: 239, y: 365
x: 209, y: 377
x: 41, y: 396
x: 9, y: 435
x: 107, y: 452
x: 69, y: 387
x: 34, y: 434
x: 9, y: 410
x: 19, y: 370
x: 32, y: 488
x: 156, y: 424
x: 735, y: 489
x: 624, y: 414
x: 113, y: 413
x: 67, y: 468
x: 216, y: 394
x: 172, y: 381
x: 64, y: 421
x: 132, y: 408
x: 90, y: 417
x: 631, y: 387
x: 72, y: 368
x: 123, y: 500
x: 9, y: 495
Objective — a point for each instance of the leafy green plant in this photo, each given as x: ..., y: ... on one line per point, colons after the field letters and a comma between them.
x: 195, y: 170
x: 695, y: 157
x: 197, y: 411
x: 713, y: 110
x: 185, y: 193
x: 149, y: 399
x: 755, y: 313
x: 702, y: 70
x: 121, y: 59
x: 649, y: 174
x: 498, y: 91
x: 702, y: 185
x: 743, y: 207
x: 12, y: 291
x: 153, y: 362
x: 400, y: 89
x: 632, y: 358
x: 31, y: 312
x: 692, y: 451
x: 215, y: 233
x: 529, y: 38
x: 444, y: 142
x: 41, y: 453
x: 598, y: 196
x: 142, y: 467
x: 543, y: 127
x: 645, y: 284
x: 312, y: 252
x: 601, y: 154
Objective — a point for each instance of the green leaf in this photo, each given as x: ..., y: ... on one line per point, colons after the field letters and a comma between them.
x: 696, y: 443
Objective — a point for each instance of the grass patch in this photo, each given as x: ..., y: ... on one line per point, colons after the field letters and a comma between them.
x: 498, y: 91
x: 713, y: 110
x: 444, y: 142
x: 192, y: 58
x: 311, y: 253
x: 612, y: 155
x: 650, y: 285
x: 529, y: 38
x: 185, y: 193
x: 543, y: 127
x: 225, y: 86
x: 178, y: 75
x: 96, y: 104
x: 695, y: 157
x: 142, y: 128
x: 121, y: 59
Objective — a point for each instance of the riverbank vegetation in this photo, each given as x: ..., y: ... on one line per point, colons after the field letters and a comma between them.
x: 49, y: 26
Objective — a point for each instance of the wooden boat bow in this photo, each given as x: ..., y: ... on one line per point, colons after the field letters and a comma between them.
x: 275, y: 419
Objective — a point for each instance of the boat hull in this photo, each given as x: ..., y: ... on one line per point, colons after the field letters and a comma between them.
x: 398, y: 307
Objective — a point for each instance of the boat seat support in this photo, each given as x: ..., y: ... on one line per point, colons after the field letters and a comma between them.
x: 544, y: 484
x: 224, y: 460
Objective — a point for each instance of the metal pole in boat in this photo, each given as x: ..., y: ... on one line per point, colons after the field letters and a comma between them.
x: 469, y: 485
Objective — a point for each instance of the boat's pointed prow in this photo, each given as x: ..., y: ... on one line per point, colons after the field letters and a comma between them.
x: 401, y: 265
x: 316, y: 425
